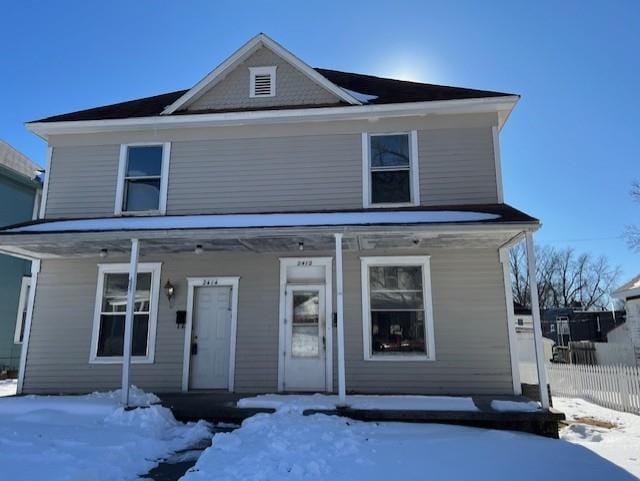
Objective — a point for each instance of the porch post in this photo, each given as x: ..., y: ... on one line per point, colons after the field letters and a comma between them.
x: 128, y: 320
x: 535, y: 313
x: 342, y: 390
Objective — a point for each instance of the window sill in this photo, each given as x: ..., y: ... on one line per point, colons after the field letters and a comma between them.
x: 391, y: 205
x: 400, y: 358
x: 118, y: 360
x: 141, y: 213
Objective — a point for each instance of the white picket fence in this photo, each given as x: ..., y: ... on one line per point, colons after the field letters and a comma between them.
x: 614, y: 387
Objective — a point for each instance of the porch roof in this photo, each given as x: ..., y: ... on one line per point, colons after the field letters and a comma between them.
x: 261, y: 232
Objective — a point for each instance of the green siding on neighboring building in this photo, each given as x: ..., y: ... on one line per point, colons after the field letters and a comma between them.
x: 16, y: 205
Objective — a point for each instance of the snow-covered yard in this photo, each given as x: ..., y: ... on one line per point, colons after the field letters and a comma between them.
x: 88, y: 438
x: 289, y: 446
x: 611, y: 434
x: 8, y: 387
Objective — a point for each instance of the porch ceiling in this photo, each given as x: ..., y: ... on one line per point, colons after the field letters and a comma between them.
x: 89, y: 244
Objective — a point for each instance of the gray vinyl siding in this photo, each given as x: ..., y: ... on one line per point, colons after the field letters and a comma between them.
x: 82, y: 181
x: 292, y: 87
x: 457, y: 166
x: 269, y: 174
x: 469, y: 310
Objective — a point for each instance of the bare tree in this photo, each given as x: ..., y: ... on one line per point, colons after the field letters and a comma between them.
x: 632, y: 232
x: 565, y: 279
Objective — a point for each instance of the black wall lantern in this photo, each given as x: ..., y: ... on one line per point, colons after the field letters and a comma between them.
x: 169, y: 290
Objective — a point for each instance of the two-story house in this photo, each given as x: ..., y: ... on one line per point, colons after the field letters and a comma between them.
x: 287, y: 228
x: 19, y: 201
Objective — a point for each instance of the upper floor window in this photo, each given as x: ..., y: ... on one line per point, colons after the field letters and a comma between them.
x: 390, y: 176
x: 262, y: 81
x: 142, y: 178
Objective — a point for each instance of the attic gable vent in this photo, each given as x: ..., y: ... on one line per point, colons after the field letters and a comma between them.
x: 262, y: 82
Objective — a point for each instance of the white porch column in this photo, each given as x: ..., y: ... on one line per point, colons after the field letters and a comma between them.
x: 342, y: 389
x: 537, y: 329
x: 26, y: 333
x: 128, y: 320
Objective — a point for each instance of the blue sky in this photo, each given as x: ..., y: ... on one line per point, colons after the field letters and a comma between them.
x: 569, y: 150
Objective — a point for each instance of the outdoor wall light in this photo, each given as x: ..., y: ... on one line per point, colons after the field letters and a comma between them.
x: 169, y: 290
x: 104, y: 253
x: 198, y: 249
x: 301, y: 246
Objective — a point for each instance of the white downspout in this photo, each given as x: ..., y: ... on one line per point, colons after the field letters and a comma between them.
x: 128, y: 320
x: 342, y: 390
x: 537, y: 329
x: 35, y: 270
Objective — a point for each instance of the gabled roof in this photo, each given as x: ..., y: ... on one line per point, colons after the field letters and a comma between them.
x: 351, y: 88
x: 260, y: 40
x: 629, y: 289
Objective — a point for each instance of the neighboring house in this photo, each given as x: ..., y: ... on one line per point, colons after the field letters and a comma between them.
x: 630, y: 294
x: 523, y: 317
x: 565, y: 325
x: 19, y: 200
x: 298, y: 229
x: 526, y: 346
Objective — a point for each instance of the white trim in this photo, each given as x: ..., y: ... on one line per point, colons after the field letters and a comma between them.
x: 511, y: 322
x: 271, y: 71
x: 192, y: 283
x: 22, y: 303
x: 424, y: 263
x: 498, y: 163
x: 240, y: 55
x: 352, y: 112
x: 45, y: 187
x: 327, y: 263
x: 414, y: 172
x: 535, y: 314
x: 164, y: 178
x: 155, y: 269
x: 342, y: 383
x: 35, y: 269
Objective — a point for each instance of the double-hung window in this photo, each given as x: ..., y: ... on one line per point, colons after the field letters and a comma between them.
x: 397, y: 310
x: 142, y: 179
x: 111, y: 305
x: 390, y: 163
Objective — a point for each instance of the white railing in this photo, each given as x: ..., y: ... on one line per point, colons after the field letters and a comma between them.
x: 614, y: 387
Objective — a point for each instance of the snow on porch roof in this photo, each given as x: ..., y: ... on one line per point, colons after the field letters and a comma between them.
x: 492, y: 213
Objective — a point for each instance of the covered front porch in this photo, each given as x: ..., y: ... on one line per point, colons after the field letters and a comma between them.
x: 263, y: 258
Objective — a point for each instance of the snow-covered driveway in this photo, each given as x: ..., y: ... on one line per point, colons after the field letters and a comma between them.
x: 87, y: 438
x: 289, y: 446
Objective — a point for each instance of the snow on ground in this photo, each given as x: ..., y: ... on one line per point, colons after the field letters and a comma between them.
x: 611, y: 434
x: 88, y: 438
x: 514, y: 406
x: 289, y: 446
x: 291, y: 402
x: 8, y: 387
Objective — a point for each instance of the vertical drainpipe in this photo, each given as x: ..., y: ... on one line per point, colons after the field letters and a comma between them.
x: 128, y: 320
x: 35, y: 270
x: 342, y: 390
x: 537, y: 329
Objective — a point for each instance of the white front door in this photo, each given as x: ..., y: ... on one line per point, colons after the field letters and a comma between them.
x: 210, y: 340
x: 305, y: 343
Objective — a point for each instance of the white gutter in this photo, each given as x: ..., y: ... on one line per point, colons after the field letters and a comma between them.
x: 321, y: 114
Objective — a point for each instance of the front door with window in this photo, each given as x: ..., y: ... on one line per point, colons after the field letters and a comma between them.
x: 305, y: 342
x: 211, y: 334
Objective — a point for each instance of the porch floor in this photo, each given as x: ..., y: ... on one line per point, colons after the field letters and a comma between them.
x: 220, y: 406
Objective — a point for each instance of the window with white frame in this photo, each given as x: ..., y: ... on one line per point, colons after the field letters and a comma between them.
x: 390, y: 169
x: 111, y: 305
x: 262, y: 81
x: 397, y: 311
x: 23, y: 305
x: 142, y: 178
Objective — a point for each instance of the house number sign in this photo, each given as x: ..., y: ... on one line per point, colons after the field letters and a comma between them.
x: 305, y: 263
x: 209, y: 282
